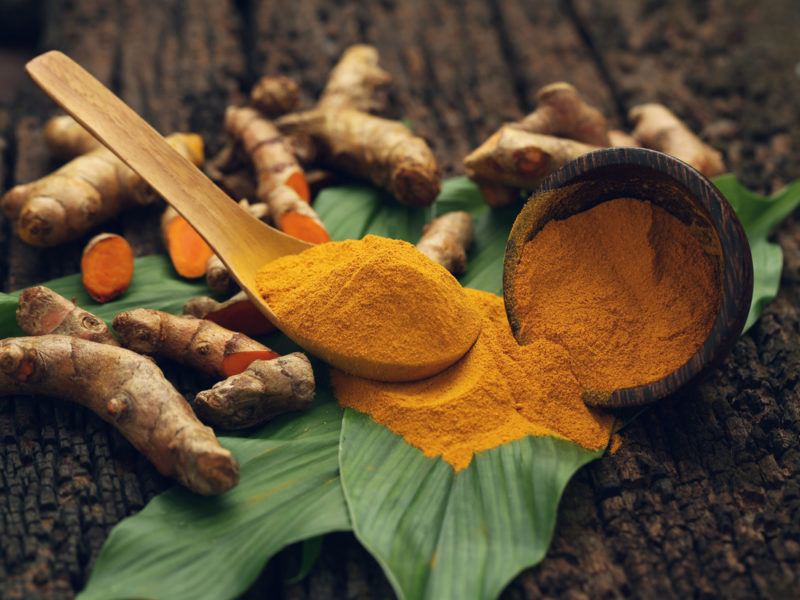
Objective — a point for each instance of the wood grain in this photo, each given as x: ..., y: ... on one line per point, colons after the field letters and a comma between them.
x: 704, y: 496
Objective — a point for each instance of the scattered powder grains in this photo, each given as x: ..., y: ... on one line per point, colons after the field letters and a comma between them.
x: 374, y: 300
x: 497, y: 393
x: 620, y: 295
x: 624, y: 288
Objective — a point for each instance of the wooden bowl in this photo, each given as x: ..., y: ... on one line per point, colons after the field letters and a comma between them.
x: 683, y: 192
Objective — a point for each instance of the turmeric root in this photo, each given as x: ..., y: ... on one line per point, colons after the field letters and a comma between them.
x: 197, y: 343
x: 620, y: 139
x: 561, y: 112
x: 658, y: 128
x: 275, y: 95
x: 237, y: 313
x: 519, y: 159
x: 281, y: 182
x: 107, y: 266
x: 218, y: 278
x: 128, y: 391
x: 66, y: 138
x: 355, y: 81
x: 85, y: 192
x: 265, y: 390
x: 295, y: 217
x: 42, y: 311
x: 187, y: 250
x: 382, y: 151
x: 274, y: 162
x: 445, y: 240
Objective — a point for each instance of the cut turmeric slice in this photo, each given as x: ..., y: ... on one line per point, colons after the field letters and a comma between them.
x: 107, y: 266
x: 188, y: 251
x: 238, y: 362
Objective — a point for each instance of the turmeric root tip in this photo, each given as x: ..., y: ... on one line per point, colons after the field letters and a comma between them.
x: 295, y: 217
x: 42, y: 311
x: 188, y: 251
x: 197, y: 343
x: 445, y: 240
x: 66, y: 138
x: 107, y: 266
x: 275, y: 95
x: 356, y: 81
x: 265, y: 390
x: 658, y: 128
x: 128, y: 391
x: 519, y: 159
x: 562, y: 112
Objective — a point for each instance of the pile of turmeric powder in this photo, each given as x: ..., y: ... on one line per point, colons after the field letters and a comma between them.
x: 392, y: 312
x: 620, y: 295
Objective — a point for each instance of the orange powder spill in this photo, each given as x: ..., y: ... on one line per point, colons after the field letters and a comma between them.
x: 624, y: 288
x: 497, y: 393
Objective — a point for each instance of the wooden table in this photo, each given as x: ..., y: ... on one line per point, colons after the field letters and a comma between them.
x: 704, y: 497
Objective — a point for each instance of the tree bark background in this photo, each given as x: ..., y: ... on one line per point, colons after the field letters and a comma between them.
x: 703, y: 499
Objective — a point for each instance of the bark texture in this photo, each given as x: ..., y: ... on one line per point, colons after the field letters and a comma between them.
x: 703, y: 500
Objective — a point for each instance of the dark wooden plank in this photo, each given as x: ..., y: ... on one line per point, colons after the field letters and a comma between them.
x: 703, y: 497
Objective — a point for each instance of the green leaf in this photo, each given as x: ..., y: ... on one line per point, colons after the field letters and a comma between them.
x: 309, y: 554
x: 351, y: 212
x: 759, y: 216
x: 440, y: 534
x: 186, y: 546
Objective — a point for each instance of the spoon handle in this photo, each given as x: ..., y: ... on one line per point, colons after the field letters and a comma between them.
x: 137, y: 144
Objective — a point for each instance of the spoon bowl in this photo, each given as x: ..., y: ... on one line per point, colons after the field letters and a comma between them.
x: 242, y: 242
x: 684, y: 193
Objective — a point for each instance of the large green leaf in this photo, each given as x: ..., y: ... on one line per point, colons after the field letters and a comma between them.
x: 438, y: 534
x: 186, y: 546
x: 759, y: 216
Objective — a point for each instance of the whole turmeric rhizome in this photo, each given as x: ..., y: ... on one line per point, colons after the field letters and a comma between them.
x: 604, y: 312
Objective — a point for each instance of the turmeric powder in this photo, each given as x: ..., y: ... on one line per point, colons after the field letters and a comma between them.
x: 617, y: 296
x: 497, y: 393
x: 376, y: 307
x: 624, y: 288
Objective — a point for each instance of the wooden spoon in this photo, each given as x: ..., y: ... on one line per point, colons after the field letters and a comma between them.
x: 680, y: 190
x: 241, y: 241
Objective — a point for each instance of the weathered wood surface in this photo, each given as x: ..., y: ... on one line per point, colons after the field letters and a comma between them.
x: 704, y: 497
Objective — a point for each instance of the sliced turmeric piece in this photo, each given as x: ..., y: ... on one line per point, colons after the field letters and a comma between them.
x: 295, y: 217
x: 188, y: 251
x: 238, y: 313
x: 107, y: 266
x: 197, y: 343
